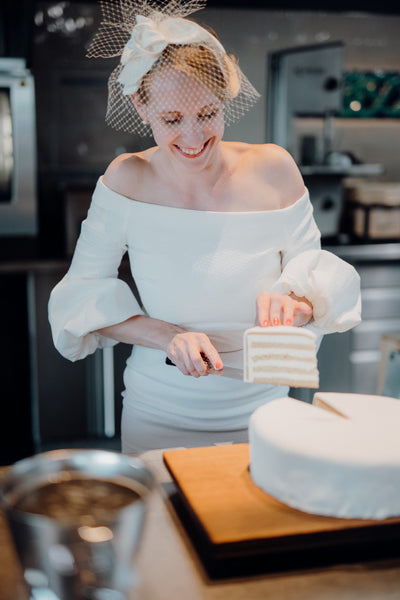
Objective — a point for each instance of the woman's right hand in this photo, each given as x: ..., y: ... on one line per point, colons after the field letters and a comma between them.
x: 184, y: 348
x: 185, y: 351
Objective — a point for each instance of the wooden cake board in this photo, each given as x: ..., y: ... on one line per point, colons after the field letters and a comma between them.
x: 235, y: 525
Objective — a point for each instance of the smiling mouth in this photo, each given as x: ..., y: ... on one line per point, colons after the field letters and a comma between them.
x: 192, y: 152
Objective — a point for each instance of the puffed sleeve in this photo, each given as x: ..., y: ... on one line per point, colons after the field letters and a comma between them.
x: 91, y: 296
x: 327, y: 281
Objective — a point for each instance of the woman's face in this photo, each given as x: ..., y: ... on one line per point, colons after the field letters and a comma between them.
x: 186, y: 118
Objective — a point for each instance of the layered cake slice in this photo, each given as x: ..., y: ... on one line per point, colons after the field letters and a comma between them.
x: 281, y: 355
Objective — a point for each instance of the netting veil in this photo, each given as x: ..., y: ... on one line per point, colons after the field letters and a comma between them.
x: 161, y: 52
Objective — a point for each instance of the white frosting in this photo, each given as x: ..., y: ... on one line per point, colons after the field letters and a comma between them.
x: 341, y: 458
x: 280, y: 355
x: 284, y: 378
x: 288, y: 362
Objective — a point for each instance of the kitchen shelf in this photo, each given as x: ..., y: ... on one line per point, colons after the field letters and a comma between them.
x: 353, y: 171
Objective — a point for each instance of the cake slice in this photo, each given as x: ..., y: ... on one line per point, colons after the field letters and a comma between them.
x: 280, y: 355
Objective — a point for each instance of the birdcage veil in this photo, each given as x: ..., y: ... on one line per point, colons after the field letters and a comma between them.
x: 154, y: 37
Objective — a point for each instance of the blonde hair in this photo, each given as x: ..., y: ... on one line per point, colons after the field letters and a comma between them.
x: 199, y: 62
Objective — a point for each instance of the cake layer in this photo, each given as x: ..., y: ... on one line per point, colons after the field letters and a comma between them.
x: 280, y: 356
x: 338, y: 457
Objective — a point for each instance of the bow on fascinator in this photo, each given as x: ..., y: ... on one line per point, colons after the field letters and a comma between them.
x: 149, y: 38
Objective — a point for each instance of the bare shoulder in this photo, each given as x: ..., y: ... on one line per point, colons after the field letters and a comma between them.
x: 126, y: 172
x: 258, y: 153
x: 277, y: 168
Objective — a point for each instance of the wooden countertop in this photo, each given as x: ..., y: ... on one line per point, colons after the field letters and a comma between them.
x: 169, y: 568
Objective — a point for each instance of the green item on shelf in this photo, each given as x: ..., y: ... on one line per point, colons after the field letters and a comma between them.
x: 372, y: 94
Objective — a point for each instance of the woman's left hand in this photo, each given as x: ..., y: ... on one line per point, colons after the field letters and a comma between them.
x: 281, y: 309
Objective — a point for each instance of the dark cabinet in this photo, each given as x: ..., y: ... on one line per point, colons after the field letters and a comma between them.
x: 47, y: 400
x: 16, y: 437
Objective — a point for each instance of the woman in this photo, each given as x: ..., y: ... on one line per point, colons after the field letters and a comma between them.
x: 220, y: 236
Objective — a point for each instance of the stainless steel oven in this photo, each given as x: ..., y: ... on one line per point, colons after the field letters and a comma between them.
x: 18, y: 193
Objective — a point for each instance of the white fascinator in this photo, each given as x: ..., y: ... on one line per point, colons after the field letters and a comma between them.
x: 150, y: 36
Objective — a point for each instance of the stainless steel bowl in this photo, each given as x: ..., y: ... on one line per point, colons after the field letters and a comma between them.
x: 74, y: 560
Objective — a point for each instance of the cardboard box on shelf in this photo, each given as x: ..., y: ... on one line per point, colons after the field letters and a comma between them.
x: 375, y: 207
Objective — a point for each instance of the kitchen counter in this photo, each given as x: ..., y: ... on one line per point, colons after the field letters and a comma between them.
x: 379, y: 251
x: 366, y: 252
x: 169, y: 568
x: 33, y: 266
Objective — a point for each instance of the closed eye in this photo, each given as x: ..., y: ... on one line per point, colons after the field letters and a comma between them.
x: 171, y: 118
x: 207, y: 116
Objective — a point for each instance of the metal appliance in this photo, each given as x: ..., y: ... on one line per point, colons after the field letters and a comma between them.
x: 306, y: 82
x: 18, y: 193
x: 303, y: 82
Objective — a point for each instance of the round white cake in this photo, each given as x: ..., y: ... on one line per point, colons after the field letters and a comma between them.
x: 339, y: 456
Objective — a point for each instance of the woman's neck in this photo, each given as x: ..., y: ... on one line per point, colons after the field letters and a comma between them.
x: 191, y: 180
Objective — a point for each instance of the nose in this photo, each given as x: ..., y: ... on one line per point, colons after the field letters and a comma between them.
x: 192, y: 133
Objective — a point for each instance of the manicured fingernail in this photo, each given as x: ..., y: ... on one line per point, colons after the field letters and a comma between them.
x: 276, y: 321
x: 266, y: 323
x: 288, y: 321
x: 218, y: 365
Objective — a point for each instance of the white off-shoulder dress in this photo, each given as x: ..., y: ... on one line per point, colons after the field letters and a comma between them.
x: 202, y: 270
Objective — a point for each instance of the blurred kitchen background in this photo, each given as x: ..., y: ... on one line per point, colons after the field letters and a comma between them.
x: 330, y: 86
